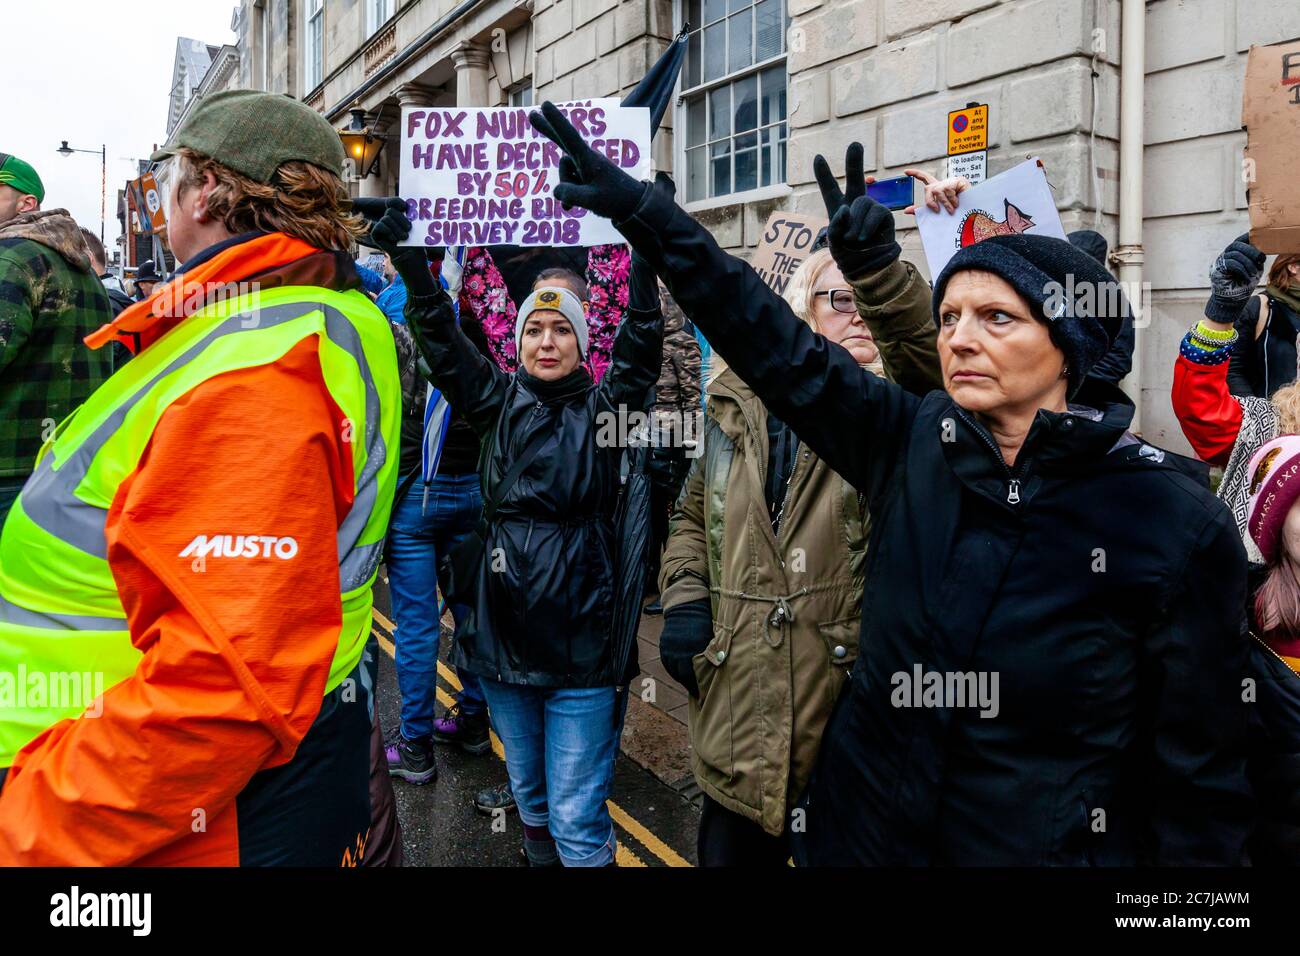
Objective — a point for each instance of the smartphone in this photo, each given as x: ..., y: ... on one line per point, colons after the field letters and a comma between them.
x: 895, y: 193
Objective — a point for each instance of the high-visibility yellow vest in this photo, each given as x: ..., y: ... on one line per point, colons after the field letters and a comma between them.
x: 61, y: 618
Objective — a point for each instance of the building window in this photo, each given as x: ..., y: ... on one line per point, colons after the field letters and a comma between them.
x: 521, y: 95
x: 378, y: 12
x: 313, y: 62
x: 733, y: 96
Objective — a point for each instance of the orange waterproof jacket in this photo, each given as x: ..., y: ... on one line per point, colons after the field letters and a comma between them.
x: 224, y: 746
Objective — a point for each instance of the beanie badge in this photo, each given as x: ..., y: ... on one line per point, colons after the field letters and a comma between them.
x: 547, y: 299
x: 1262, y: 469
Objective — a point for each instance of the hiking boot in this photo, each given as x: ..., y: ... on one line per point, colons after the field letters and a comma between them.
x: 412, y: 760
x: 467, y: 731
x: 491, y: 799
x: 541, y: 853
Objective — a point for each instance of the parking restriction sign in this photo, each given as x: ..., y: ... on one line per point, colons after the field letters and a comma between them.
x: 968, y: 129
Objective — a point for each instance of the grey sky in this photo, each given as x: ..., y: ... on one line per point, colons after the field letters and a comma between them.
x: 94, y: 72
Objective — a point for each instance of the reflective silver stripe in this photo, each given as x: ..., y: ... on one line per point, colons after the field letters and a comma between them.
x: 49, y: 497
x: 358, y: 562
x: 11, y: 613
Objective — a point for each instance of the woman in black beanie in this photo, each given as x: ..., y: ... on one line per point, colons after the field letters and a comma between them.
x: 1052, y: 641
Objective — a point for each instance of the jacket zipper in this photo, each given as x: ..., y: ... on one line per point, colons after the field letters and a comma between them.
x: 519, y: 602
x: 1013, y: 482
x: 785, y: 498
x: 1264, y: 644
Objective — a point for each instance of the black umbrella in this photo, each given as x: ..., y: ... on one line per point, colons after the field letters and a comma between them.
x: 632, y: 545
x: 656, y: 88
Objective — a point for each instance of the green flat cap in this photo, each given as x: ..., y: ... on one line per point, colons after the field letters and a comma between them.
x: 20, y: 176
x: 254, y: 133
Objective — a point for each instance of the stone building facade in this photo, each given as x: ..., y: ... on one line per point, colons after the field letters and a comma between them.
x: 771, y: 83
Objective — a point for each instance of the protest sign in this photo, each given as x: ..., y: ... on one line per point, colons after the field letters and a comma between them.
x: 1271, y: 115
x: 485, y: 177
x: 1017, y: 201
x: 787, y: 241
x: 149, y: 204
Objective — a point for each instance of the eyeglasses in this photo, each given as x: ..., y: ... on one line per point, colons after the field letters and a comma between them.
x: 841, y: 299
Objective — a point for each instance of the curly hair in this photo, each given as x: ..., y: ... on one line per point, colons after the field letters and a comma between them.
x: 1286, y: 400
x: 302, y: 200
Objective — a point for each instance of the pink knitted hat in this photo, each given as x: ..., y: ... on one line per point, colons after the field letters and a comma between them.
x: 1274, y: 487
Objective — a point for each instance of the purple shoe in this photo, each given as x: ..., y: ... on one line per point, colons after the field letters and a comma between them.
x: 412, y: 760
x: 467, y: 731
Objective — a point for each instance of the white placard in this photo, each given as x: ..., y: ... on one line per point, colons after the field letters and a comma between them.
x: 485, y: 177
x: 1017, y: 201
x: 974, y: 166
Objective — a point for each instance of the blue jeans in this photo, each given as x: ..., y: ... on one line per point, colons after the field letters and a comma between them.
x: 416, y: 535
x: 560, y: 745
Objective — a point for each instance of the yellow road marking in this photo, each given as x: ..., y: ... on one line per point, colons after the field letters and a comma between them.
x: 449, y: 676
x: 384, y: 622
x: 648, y: 839
x: 624, y: 856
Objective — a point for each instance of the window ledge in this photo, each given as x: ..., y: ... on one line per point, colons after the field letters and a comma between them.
x: 775, y: 191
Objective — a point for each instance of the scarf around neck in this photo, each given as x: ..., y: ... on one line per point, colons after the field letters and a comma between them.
x: 1288, y: 297
x: 575, y: 383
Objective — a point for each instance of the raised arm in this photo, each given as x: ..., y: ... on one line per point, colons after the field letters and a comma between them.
x: 474, y: 386
x: 1210, y: 417
x: 1233, y: 279
x: 895, y: 304
x: 637, y: 356
x: 853, y: 420
x: 894, y: 301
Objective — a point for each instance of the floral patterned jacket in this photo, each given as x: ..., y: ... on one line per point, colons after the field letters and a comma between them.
x: 483, y: 291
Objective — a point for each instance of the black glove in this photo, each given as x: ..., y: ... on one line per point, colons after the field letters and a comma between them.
x: 688, y: 628
x: 642, y: 286
x: 1234, y: 277
x: 587, y: 178
x: 861, y: 230
x: 391, y: 227
x: 372, y: 208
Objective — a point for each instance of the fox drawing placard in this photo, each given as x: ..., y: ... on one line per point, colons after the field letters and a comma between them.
x: 1014, y: 202
x: 979, y: 225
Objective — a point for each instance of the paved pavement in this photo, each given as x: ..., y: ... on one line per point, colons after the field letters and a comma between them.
x: 670, y: 696
x: 655, y: 823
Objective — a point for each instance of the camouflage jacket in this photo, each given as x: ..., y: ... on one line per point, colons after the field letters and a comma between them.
x: 677, y: 393
x: 50, y: 299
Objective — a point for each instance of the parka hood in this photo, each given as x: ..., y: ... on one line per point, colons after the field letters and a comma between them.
x: 53, y: 228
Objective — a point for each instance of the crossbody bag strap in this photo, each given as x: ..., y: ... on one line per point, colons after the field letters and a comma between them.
x: 512, y: 475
